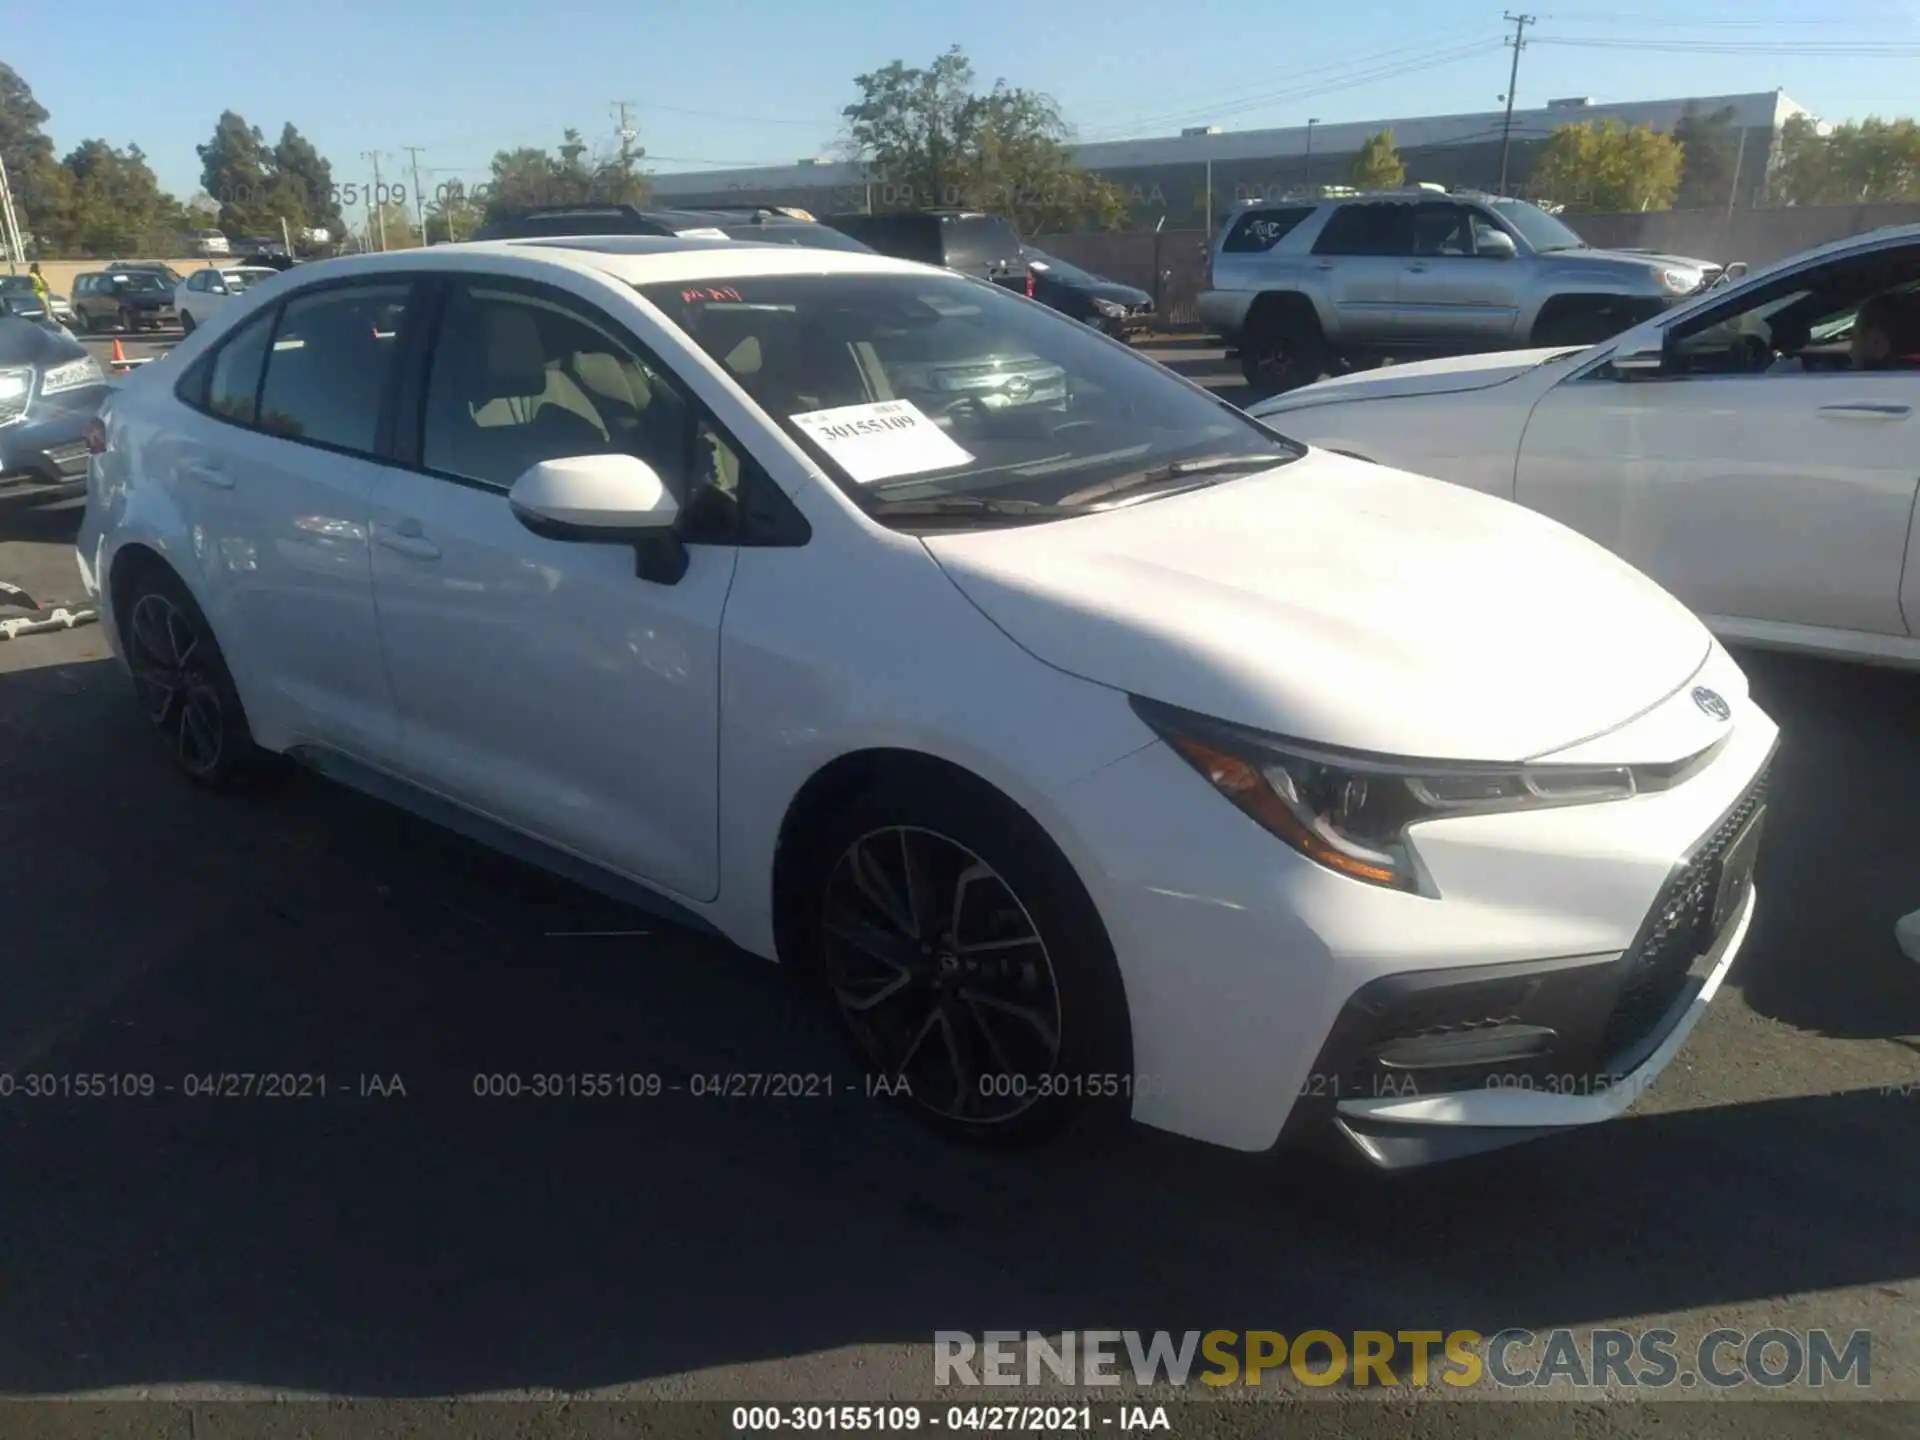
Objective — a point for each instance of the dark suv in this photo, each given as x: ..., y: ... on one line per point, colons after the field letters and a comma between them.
x: 130, y: 299
x: 767, y: 224
x: 971, y: 242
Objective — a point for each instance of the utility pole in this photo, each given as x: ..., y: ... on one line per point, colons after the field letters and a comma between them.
x: 419, y: 196
x: 1311, y: 122
x: 9, y: 224
x: 1519, y: 43
x: 627, y: 136
x: 377, y: 201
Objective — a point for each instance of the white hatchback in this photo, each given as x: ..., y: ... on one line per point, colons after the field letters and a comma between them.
x: 1096, y: 747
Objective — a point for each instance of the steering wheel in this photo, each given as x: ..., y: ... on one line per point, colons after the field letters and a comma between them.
x: 1751, y: 354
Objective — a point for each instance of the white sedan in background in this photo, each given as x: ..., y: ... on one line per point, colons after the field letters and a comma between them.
x: 198, y: 298
x: 1732, y: 448
x: 1088, y: 744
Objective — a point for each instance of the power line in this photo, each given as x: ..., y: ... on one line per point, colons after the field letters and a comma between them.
x: 1519, y: 43
x: 1895, y: 49
x: 1351, y: 81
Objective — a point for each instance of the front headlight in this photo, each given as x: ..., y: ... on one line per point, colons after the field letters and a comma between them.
x: 16, y: 384
x: 1112, y: 309
x: 1352, y: 812
x: 1679, y: 282
x: 72, y: 375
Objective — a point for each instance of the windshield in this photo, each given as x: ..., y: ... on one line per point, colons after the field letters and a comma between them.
x: 238, y: 280
x: 1536, y: 227
x: 140, y: 280
x: 912, y: 388
x: 1059, y: 269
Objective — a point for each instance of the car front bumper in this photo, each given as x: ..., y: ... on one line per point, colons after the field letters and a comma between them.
x: 46, y: 451
x: 1545, y: 988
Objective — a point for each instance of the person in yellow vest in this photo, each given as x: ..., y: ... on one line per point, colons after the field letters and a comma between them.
x: 42, y: 291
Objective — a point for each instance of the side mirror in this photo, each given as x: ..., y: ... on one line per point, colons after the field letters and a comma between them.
x: 1640, y: 357
x: 218, y: 289
x: 605, y: 500
x: 1496, y: 245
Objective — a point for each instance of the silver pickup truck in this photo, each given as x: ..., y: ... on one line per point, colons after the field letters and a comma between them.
x: 1332, y: 284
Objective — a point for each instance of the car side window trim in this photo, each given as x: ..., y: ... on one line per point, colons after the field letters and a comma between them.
x: 771, y: 519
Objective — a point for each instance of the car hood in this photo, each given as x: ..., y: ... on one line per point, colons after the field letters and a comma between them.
x: 1346, y: 603
x: 1424, y: 377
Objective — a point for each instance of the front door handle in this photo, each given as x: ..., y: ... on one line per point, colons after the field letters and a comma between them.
x: 207, y: 472
x: 1418, y: 267
x: 1865, y: 410
x: 406, y: 538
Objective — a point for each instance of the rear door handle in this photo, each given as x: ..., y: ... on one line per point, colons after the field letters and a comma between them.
x: 406, y: 538
x: 207, y: 472
x: 1865, y: 411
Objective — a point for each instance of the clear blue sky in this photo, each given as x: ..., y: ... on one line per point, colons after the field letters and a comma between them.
x: 762, y: 81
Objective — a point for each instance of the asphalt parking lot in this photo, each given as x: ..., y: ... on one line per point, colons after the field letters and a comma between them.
x: 401, y: 1236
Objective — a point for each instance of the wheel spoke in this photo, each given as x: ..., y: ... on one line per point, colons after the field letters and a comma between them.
x: 965, y: 1088
x: 919, y: 887
x: 860, y: 1004
x: 150, y: 630
x: 1000, y: 1056
x: 869, y: 940
x: 200, y: 730
x: 871, y: 881
x: 1028, y: 1015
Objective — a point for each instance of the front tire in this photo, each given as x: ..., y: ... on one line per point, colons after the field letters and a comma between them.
x: 1282, y: 350
x: 186, y: 323
x: 184, y: 687
x: 967, y: 963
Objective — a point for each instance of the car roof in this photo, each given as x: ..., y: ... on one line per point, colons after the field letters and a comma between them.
x: 632, y: 259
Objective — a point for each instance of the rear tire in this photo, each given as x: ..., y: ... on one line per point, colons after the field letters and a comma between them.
x: 184, y: 687
x: 966, y: 961
x: 1282, y: 348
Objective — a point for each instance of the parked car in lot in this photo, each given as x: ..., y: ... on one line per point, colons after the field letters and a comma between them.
x: 201, y: 294
x: 1734, y: 448
x: 968, y: 241
x: 15, y: 287
x: 1110, y: 754
x: 762, y: 224
x: 211, y: 243
x: 1332, y: 284
x: 50, y: 388
x: 124, y: 299
x: 1119, y: 310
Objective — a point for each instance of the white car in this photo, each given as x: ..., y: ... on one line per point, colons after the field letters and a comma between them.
x: 1728, y: 449
x: 199, y: 297
x: 1095, y: 747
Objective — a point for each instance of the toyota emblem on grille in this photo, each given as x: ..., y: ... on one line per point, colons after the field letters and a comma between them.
x: 1711, y: 702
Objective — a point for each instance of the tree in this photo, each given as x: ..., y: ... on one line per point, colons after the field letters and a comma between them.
x: 1710, y: 151
x: 39, y: 183
x: 116, y: 205
x: 927, y: 139
x: 453, y: 216
x: 529, y: 176
x: 391, y: 227
x: 1859, y: 162
x: 1606, y: 166
x: 1378, y: 166
x: 300, y: 170
x: 235, y: 169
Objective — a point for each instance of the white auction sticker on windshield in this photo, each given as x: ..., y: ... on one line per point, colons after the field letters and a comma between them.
x: 882, y: 440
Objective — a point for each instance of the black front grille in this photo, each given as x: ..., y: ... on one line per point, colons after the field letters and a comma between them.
x: 1677, y: 932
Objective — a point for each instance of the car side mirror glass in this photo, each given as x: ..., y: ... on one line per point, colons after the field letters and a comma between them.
x: 1645, y: 357
x: 1497, y: 245
x: 604, y: 499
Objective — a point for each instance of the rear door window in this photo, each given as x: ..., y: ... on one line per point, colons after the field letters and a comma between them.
x: 333, y: 354
x: 1258, y: 231
x: 1381, y: 229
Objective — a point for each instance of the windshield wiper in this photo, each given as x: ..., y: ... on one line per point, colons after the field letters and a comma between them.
x: 974, y: 505
x: 1177, y: 470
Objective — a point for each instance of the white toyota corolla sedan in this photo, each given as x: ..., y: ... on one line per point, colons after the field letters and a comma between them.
x: 1096, y: 747
x: 1756, y: 450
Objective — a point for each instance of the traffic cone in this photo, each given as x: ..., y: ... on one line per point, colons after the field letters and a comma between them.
x: 119, y: 352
